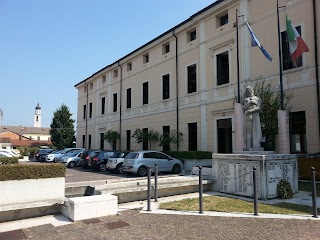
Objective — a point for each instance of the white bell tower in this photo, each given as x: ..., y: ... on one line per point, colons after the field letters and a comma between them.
x: 37, y: 116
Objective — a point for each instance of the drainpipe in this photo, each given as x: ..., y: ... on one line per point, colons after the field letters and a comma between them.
x: 86, y: 115
x: 177, y: 91
x: 120, y: 103
x: 316, y: 58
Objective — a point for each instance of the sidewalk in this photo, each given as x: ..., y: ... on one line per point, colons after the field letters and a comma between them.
x: 59, y: 220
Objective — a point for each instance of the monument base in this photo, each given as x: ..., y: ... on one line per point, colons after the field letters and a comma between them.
x: 234, y: 173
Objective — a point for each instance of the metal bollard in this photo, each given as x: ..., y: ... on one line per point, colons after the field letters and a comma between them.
x: 156, y: 182
x: 149, y: 189
x: 314, y: 193
x: 200, y: 190
x: 255, y: 192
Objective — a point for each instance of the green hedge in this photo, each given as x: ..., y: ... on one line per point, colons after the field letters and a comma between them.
x: 304, y: 167
x: 31, y: 171
x: 190, y: 154
x: 9, y: 160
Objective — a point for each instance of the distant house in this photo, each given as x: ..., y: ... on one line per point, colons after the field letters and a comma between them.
x: 18, y: 136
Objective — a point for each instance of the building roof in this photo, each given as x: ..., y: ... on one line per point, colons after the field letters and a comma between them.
x: 26, y: 130
x: 38, y: 106
x: 155, y: 39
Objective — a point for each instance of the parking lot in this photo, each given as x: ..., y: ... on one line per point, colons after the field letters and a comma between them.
x: 79, y: 174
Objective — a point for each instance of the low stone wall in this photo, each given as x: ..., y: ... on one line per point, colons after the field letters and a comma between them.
x: 189, y: 164
x: 30, y: 198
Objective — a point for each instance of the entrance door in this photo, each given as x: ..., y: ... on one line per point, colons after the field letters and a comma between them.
x: 298, y: 132
x: 224, y: 130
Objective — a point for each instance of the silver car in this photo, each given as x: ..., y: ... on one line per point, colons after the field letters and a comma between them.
x: 72, y: 160
x: 137, y: 163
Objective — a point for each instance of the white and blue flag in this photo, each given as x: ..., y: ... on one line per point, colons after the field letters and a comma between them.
x: 256, y: 42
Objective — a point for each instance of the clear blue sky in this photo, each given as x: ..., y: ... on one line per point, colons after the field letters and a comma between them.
x: 46, y: 47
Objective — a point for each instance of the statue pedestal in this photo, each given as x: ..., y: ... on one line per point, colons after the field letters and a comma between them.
x: 234, y: 172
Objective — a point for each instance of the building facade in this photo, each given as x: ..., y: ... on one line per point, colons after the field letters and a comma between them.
x: 186, y: 80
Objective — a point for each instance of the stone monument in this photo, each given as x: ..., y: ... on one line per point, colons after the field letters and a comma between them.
x: 233, y: 171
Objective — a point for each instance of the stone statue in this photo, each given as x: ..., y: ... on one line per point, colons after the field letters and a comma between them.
x: 252, y: 107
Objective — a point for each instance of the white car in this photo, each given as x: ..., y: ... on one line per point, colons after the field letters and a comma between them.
x: 5, y: 154
x: 11, y: 152
x: 115, y: 162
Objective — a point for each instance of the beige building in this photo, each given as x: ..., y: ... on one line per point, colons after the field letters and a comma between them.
x: 186, y: 79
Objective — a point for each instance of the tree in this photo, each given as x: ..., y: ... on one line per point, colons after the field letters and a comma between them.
x: 172, y: 137
x: 270, y: 97
x: 62, y: 128
x: 112, y: 137
x: 150, y: 136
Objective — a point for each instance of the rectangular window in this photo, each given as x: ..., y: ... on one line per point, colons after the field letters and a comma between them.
x: 128, y: 139
x: 103, y: 79
x: 145, y: 94
x: 222, y: 68
x: 83, y: 141
x: 165, y: 48
x: 128, y: 98
x: 192, y: 132
x: 90, y: 110
x: 115, y: 105
x: 91, y: 86
x: 166, y: 138
x: 192, y: 78
x: 85, y: 88
x: 129, y: 67
x: 101, y: 140
x: 192, y: 35
x: 103, y: 105
x: 165, y: 86
x: 115, y: 73
x: 146, y: 58
x: 286, y: 57
x: 84, y: 111
x: 89, y: 142
x: 224, y: 20
x: 145, y: 139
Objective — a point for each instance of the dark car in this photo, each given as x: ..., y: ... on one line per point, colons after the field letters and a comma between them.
x: 99, y: 160
x: 40, y: 154
x: 85, y: 156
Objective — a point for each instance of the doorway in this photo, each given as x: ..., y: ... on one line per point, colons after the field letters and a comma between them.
x: 224, y: 130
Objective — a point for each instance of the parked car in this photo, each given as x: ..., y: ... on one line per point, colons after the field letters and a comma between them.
x: 115, y: 162
x: 5, y: 154
x: 42, y: 152
x: 137, y: 162
x: 99, y: 160
x: 50, y: 157
x: 85, y: 156
x: 11, y: 152
x: 72, y: 160
x: 64, y: 153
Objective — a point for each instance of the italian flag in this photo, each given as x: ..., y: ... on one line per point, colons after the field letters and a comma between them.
x: 296, y: 44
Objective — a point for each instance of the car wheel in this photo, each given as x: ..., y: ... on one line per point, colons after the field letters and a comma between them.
x: 71, y: 164
x: 102, y: 167
x: 142, y: 171
x: 119, y: 168
x: 176, y: 169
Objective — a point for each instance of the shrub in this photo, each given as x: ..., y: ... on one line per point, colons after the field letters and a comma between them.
x: 284, y: 189
x: 9, y: 160
x: 304, y: 168
x: 190, y: 154
x: 31, y: 171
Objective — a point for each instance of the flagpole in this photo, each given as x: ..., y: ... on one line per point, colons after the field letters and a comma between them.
x: 238, y: 56
x: 280, y: 59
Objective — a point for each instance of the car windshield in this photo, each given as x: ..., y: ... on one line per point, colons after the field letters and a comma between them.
x: 116, y: 155
x: 132, y: 155
x: 72, y: 154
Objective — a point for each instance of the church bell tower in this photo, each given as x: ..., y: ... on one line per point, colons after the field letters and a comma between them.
x: 37, y: 116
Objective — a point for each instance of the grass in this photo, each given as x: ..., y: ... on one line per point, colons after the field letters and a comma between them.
x: 225, y: 204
